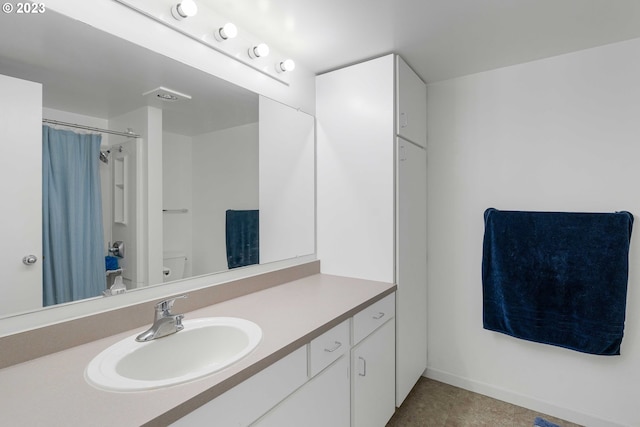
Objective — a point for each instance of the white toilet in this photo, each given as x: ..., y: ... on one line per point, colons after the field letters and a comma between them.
x: 173, y: 265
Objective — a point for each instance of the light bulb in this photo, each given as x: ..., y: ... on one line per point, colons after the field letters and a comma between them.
x: 286, y: 65
x: 228, y: 31
x: 259, y: 51
x: 184, y: 9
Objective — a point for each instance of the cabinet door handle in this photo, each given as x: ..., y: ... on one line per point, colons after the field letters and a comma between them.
x: 363, y: 372
x: 404, y: 120
x: 336, y: 346
x: 402, y: 155
x: 378, y: 316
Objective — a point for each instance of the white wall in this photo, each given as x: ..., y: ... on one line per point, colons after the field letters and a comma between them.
x: 559, y: 134
x: 177, y: 179
x: 225, y: 176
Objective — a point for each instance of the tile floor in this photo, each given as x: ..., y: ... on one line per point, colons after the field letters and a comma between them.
x: 435, y: 404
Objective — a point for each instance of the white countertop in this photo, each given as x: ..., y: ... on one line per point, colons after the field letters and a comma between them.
x: 52, y: 391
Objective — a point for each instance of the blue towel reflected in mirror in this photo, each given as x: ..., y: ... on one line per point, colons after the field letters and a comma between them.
x: 243, y: 238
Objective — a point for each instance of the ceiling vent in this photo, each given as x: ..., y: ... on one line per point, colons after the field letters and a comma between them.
x: 166, y: 95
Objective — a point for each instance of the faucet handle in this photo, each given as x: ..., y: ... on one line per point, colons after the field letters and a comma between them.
x: 178, y: 319
x: 166, y: 305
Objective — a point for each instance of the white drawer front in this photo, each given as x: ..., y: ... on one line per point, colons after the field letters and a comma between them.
x: 328, y: 347
x: 372, y: 317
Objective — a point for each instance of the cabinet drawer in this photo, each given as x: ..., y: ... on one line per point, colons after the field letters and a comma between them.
x: 372, y: 317
x: 328, y: 347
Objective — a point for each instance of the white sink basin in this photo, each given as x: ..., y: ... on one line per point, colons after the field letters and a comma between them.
x: 204, y: 346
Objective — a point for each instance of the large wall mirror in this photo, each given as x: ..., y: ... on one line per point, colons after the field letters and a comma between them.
x: 216, y: 178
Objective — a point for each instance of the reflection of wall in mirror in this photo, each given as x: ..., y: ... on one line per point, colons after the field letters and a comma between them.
x: 287, y: 182
x: 223, y: 168
x: 177, y: 193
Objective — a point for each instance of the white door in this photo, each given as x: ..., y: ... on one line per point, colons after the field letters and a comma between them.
x: 21, y: 194
x: 411, y: 272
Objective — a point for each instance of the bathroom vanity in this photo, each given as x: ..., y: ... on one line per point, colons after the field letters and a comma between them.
x: 313, y: 385
x: 297, y: 375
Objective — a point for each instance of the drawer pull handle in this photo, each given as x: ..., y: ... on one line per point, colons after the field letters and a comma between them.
x: 378, y: 316
x: 363, y: 371
x: 336, y: 346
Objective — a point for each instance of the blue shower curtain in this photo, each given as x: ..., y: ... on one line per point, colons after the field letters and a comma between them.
x: 73, y: 241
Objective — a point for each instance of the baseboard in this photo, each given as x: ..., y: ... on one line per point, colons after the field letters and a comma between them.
x: 519, y: 399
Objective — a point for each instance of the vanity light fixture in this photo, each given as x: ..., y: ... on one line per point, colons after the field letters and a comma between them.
x: 259, y: 51
x: 227, y: 31
x: 184, y: 9
x: 286, y: 65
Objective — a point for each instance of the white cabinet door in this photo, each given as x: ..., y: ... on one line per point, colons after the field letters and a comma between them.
x: 247, y: 401
x: 355, y: 170
x: 322, y: 402
x: 411, y: 274
x: 411, y: 111
x: 21, y: 194
x: 372, y: 373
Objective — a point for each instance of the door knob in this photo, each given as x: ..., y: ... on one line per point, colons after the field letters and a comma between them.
x: 30, y: 259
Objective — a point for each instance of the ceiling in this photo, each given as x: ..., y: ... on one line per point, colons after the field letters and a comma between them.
x: 440, y: 39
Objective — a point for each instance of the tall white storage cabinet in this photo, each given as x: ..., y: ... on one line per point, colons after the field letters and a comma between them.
x: 371, y: 192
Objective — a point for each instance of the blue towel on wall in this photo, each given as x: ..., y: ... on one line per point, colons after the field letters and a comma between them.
x: 243, y: 238
x: 557, y: 278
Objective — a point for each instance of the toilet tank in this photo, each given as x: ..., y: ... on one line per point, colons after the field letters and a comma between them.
x: 173, y: 265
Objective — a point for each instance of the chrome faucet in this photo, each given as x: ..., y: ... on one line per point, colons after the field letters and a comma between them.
x: 164, y: 322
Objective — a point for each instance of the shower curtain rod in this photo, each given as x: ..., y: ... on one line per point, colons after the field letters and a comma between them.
x: 73, y: 125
